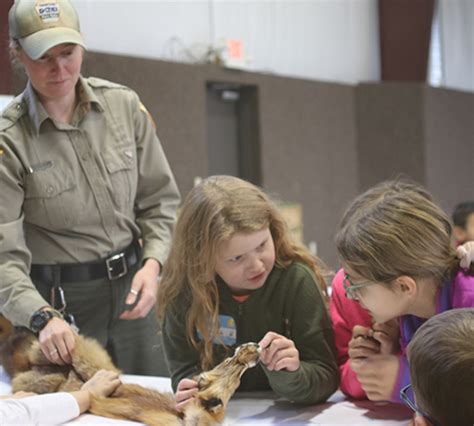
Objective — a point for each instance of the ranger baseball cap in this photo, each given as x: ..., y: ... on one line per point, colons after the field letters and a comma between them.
x: 39, y: 25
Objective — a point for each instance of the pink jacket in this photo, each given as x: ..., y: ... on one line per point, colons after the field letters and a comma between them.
x: 345, y: 314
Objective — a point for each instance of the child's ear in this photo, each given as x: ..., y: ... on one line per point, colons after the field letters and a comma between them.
x: 406, y: 285
x: 459, y: 234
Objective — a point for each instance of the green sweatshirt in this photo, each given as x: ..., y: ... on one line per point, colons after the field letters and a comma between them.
x: 291, y: 304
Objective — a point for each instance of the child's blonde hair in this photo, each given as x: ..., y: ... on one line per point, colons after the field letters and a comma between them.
x: 396, y: 229
x: 214, y: 211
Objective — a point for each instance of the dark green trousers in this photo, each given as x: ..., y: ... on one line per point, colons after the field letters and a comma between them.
x: 134, y: 345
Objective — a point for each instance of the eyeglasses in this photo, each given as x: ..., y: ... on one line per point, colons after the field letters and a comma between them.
x: 406, y: 394
x: 351, y: 288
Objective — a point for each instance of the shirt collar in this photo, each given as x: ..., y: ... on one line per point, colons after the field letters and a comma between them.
x: 38, y: 113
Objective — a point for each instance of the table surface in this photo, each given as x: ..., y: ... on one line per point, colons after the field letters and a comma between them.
x: 263, y: 408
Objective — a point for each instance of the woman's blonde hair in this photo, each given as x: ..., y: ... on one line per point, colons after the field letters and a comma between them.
x: 396, y: 229
x: 213, y: 212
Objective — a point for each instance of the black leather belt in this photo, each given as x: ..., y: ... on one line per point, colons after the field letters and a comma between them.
x: 113, y: 267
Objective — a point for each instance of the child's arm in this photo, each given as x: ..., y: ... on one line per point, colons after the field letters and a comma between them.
x: 182, y: 358
x: 345, y: 315
x: 309, y: 327
x: 56, y: 408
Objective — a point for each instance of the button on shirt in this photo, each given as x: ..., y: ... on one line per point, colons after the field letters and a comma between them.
x: 74, y: 193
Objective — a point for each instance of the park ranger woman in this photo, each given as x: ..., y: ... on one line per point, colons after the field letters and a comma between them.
x: 87, y: 198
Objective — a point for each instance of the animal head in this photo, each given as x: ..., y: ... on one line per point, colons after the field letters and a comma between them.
x: 217, y: 386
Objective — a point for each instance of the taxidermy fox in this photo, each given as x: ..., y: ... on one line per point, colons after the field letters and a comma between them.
x: 30, y: 371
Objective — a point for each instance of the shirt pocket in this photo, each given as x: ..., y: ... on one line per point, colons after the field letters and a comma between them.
x: 120, y: 163
x: 50, y: 200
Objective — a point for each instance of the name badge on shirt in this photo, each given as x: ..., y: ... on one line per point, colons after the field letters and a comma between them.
x: 227, y: 331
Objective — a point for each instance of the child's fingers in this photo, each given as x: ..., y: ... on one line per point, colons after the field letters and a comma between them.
x: 268, y: 339
x: 186, y: 384
x: 184, y: 395
x: 361, y: 331
x: 361, y: 353
x: 466, y: 254
x: 276, y: 344
x: 180, y: 405
x: 368, y: 343
x: 283, y: 358
x: 288, y: 364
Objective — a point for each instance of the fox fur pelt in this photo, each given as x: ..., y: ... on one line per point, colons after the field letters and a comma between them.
x: 30, y: 371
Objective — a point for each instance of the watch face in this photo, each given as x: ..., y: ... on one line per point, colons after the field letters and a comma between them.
x: 40, y: 319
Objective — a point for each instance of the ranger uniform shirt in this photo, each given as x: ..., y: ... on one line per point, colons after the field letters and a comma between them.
x: 73, y: 193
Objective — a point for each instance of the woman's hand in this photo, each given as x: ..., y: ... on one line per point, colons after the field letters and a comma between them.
x: 145, y: 286
x: 57, y: 341
x: 185, y: 392
x: 279, y: 353
x: 102, y: 383
x: 377, y: 375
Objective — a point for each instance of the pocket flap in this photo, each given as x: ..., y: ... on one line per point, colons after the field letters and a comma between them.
x: 48, y: 183
x: 119, y: 159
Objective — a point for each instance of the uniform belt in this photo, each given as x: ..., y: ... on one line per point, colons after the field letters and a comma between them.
x: 113, y: 267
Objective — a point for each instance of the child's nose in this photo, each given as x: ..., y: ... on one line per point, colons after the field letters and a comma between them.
x: 255, y: 264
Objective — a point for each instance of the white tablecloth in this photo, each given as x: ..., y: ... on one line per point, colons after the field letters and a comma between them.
x: 262, y: 408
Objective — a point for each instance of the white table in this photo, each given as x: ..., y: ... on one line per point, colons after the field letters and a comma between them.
x: 262, y: 408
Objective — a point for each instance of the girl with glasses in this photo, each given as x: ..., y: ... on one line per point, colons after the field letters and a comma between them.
x: 395, y: 246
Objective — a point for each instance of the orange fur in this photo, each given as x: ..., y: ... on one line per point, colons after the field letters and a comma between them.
x: 32, y: 372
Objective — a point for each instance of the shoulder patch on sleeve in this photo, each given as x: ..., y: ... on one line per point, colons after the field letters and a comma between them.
x: 143, y: 109
x: 12, y: 113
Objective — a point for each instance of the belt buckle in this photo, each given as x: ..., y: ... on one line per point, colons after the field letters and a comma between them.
x: 112, y: 263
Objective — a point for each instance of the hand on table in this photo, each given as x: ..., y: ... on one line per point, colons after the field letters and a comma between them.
x: 145, y: 286
x: 279, y: 353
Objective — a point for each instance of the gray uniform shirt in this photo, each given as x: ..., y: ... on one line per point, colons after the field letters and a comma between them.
x: 73, y: 193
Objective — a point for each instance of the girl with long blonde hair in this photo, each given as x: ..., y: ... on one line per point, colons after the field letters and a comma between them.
x: 234, y: 275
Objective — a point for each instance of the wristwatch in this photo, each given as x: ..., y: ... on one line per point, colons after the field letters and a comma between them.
x: 39, y: 319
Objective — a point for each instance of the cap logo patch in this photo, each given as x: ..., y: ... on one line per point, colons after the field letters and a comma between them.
x: 48, y: 12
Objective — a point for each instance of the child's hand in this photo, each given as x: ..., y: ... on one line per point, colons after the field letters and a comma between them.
x: 187, y: 388
x: 102, y: 383
x: 377, y: 374
x: 279, y: 353
x: 387, y: 335
x: 363, y: 343
x: 466, y: 254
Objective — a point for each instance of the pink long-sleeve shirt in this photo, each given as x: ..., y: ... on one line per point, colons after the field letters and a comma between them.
x: 345, y: 314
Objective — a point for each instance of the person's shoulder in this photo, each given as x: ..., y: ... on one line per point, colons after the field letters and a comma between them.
x: 297, y: 272
x: 100, y: 83
x: 12, y: 113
